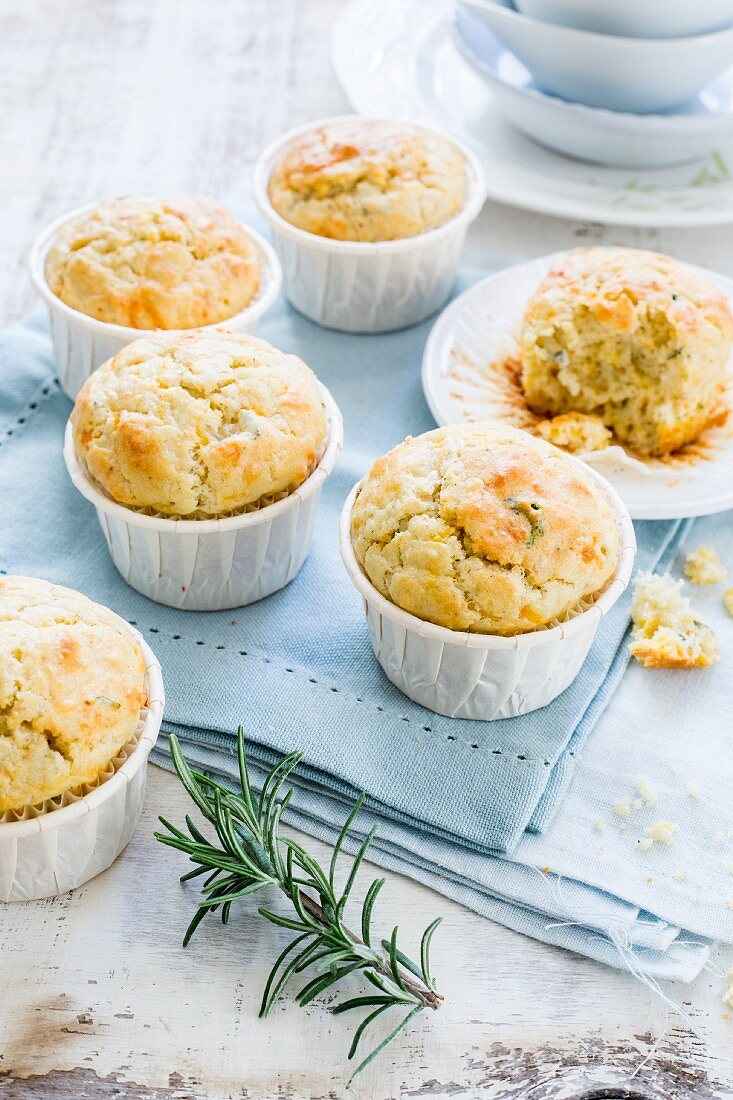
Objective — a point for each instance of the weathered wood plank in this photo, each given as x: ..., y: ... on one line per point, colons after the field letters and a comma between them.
x: 100, y: 984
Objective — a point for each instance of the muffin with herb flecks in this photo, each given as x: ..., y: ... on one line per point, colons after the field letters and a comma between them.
x: 483, y: 528
x: 369, y: 180
x: 632, y: 336
x: 150, y: 263
x: 199, y: 424
x: 72, y: 686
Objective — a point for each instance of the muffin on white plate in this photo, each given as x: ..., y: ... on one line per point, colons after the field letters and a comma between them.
x: 80, y: 706
x: 111, y: 271
x: 204, y: 454
x: 369, y: 217
x: 631, y: 336
x: 486, y: 558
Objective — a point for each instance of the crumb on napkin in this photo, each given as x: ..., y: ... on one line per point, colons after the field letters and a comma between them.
x: 667, y: 632
x: 703, y: 566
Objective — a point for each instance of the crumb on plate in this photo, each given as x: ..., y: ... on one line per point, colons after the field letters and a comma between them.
x: 575, y: 431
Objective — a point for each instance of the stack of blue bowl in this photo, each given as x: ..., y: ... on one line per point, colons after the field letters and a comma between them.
x: 640, y: 83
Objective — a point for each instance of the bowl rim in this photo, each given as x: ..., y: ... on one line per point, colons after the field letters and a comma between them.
x: 614, y: 588
x: 623, y: 121
x: 313, y: 482
x: 265, y: 162
x: 265, y: 297
x: 616, y: 42
x: 153, y: 710
x: 660, y: 4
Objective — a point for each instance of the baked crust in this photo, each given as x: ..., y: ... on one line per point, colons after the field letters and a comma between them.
x: 484, y: 528
x: 362, y: 180
x: 155, y: 263
x: 199, y: 424
x: 72, y: 685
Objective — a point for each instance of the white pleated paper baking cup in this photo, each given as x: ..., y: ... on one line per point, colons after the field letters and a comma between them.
x: 364, y: 286
x: 484, y: 676
x: 212, y: 564
x: 62, y: 843
x: 82, y: 343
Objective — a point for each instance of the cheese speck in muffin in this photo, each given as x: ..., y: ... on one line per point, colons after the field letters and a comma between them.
x: 703, y: 566
x: 667, y: 632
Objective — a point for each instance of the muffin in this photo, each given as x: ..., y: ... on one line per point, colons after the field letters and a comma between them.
x: 483, y: 528
x: 631, y: 336
x: 199, y: 424
x: 150, y: 263
x: 667, y: 632
x: 369, y: 180
x: 72, y: 685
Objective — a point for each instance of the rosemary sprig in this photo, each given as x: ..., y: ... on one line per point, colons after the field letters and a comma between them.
x: 252, y: 855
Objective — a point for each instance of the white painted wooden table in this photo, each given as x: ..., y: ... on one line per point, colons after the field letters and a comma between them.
x: 97, y: 999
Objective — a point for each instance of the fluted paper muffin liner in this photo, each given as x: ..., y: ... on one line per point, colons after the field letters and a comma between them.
x: 63, y: 842
x: 213, y: 564
x: 364, y: 286
x: 485, y: 676
x: 82, y: 343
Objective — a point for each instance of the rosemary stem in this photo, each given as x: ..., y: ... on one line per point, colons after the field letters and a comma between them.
x: 429, y: 997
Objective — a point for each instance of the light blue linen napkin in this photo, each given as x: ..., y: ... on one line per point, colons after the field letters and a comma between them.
x: 298, y: 671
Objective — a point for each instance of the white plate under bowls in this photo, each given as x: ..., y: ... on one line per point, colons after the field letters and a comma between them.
x: 590, y: 133
x: 394, y: 58
x: 479, y: 328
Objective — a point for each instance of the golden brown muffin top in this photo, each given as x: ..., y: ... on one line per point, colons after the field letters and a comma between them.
x: 72, y: 685
x: 199, y: 424
x: 365, y: 180
x: 151, y: 263
x: 481, y: 527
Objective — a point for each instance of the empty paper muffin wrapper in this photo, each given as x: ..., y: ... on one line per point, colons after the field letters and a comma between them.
x: 82, y: 343
x: 484, y: 676
x: 63, y: 842
x: 213, y: 564
x: 366, y: 286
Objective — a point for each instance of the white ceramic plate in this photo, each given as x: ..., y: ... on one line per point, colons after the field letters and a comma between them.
x: 600, y: 136
x: 394, y: 57
x: 463, y: 381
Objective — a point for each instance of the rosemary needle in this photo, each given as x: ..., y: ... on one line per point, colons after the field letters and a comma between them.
x: 251, y: 855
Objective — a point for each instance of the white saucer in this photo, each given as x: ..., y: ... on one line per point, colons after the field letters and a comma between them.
x: 461, y: 383
x: 593, y: 134
x: 395, y: 58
